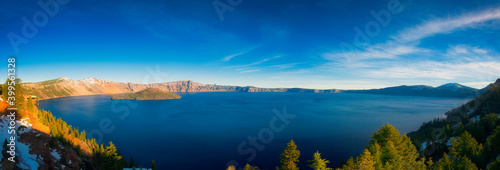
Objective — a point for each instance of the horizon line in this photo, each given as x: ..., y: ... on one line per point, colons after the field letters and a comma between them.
x: 265, y: 87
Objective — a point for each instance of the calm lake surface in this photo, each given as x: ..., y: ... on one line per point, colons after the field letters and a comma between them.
x: 204, y: 130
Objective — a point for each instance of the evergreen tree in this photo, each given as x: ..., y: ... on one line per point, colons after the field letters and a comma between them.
x: 388, y: 147
x: 231, y: 167
x: 365, y: 161
x: 376, y: 152
x: 454, y: 163
x: 290, y: 157
x: 492, y: 145
x: 489, y: 122
x: 388, y: 150
x: 409, y: 154
x: 111, y: 160
x: 5, y: 90
x: 19, y: 103
x: 464, y: 146
x: 249, y: 167
x: 18, y: 92
x: 83, y: 136
x: 465, y: 163
x: 318, y: 163
x: 349, y: 165
x: 429, y: 162
x: 494, y: 165
x: 133, y: 164
x: 391, y: 156
x: 111, y: 150
x: 29, y: 105
x: 153, y: 165
x: 385, y: 134
x: 443, y: 163
x: 126, y: 164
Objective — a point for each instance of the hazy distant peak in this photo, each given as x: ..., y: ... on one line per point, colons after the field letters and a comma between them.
x: 64, y: 79
x: 92, y: 80
x: 450, y: 85
x: 453, y: 86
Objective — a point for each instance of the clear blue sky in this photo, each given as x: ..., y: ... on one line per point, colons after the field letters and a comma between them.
x: 284, y: 43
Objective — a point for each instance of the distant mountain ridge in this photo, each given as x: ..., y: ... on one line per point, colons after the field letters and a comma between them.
x: 445, y: 90
x: 63, y: 87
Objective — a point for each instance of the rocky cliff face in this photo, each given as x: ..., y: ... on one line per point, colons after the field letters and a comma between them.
x: 66, y: 87
x: 63, y: 87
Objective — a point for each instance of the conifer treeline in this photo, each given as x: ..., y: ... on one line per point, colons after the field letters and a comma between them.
x: 469, y: 138
x: 388, y: 150
x: 102, y: 157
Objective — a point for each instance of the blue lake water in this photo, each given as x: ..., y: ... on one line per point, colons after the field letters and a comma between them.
x: 208, y: 130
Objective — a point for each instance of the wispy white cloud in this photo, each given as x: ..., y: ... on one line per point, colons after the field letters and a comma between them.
x: 438, y: 70
x: 259, y: 62
x: 406, y: 42
x: 457, y: 50
x: 284, y: 66
x: 446, y: 25
x: 378, y: 51
x: 246, y: 68
x: 479, y: 51
x: 465, y: 53
x: 456, y: 62
x: 250, y: 71
x: 229, y: 57
x: 400, y: 58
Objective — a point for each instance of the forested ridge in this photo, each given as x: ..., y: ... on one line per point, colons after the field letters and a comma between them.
x: 467, y: 138
x: 99, y: 156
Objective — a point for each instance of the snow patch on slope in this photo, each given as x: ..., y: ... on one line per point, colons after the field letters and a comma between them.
x: 25, y: 160
x: 56, y: 155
